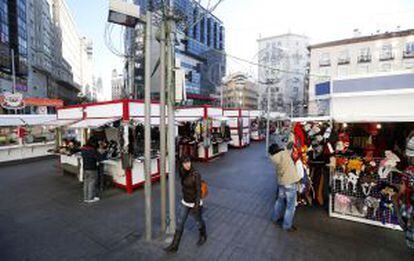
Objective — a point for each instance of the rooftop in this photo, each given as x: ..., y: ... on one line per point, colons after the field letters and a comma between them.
x: 361, y: 39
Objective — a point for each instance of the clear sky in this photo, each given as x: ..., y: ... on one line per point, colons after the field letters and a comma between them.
x: 246, y: 20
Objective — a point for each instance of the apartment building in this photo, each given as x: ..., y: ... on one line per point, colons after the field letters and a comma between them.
x: 379, y: 56
x: 240, y: 92
x: 284, y: 61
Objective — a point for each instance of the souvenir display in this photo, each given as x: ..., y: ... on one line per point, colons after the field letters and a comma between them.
x: 312, y: 148
x: 366, y: 171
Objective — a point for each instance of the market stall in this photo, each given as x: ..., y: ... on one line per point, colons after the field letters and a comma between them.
x: 239, y: 121
x: 120, y: 124
x: 25, y: 136
x: 203, y: 132
x: 257, y: 125
x: 371, y: 155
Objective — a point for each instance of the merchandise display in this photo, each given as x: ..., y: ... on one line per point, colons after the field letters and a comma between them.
x: 367, y: 170
x: 203, y: 132
x: 311, y: 151
x: 120, y: 134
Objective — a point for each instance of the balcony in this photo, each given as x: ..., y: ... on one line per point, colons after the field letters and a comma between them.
x: 364, y: 58
x: 343, y: 61
x: 408, y: 54
x: 324, y: 63
x: 386, y: 57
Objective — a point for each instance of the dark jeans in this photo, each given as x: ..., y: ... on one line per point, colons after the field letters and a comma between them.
x: 185, y: 211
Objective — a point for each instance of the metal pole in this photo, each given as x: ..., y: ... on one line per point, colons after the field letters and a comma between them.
x: 171, y: 127
x: 13, y: 71
x: 147, y: 146
x: 163, y: 136
x: 268, y: 118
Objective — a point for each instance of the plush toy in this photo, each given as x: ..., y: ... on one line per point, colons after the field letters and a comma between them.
x: 367, y: 184
x: 373, y: 204
x: 341, y: 177
x: 388, y: 164
x: 342, y: 203
x: 355, y: 165
x: 352, y: 179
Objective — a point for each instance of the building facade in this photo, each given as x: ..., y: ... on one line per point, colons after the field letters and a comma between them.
x: 117, y: 85
x: 199, y: 51
x: 13, y: 38
x: 284, y: 62
x: 240, y: 92
x: 374, y: 57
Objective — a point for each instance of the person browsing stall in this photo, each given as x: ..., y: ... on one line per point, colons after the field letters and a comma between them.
x: 287, y: 179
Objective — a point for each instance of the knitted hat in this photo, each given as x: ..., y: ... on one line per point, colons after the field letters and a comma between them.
x: 410, y: 147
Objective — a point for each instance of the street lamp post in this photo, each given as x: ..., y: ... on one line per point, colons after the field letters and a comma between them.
x: 128, y: 14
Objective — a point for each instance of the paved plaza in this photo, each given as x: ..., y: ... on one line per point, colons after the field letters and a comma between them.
x: 42, y: 217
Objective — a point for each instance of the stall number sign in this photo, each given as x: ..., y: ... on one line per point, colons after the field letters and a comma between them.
x: 13, y: 101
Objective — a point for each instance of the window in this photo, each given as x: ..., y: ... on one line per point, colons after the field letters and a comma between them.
x: 364, y: 55
x: 409, y: 50
x: 343, y: 57
x: 386, y: 52
x: 385, y: 67
x: 363, y: 69
x: 343, y: 71
x: 325, y: 60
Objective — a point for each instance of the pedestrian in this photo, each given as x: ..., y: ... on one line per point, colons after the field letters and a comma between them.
x: 90, y: 171
x: 287, y: 178
x: 102, y: 156
x: 191, y: 203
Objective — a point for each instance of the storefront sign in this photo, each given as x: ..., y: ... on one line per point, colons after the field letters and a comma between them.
x: 13, y: 101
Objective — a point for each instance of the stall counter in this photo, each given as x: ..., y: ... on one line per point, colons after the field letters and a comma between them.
x: 25, y: 151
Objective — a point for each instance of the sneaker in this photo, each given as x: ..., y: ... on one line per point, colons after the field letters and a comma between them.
x: 292, y: 229
x: 96, y: 198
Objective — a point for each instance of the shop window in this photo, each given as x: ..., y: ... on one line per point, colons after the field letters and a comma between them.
x: 363, y: 69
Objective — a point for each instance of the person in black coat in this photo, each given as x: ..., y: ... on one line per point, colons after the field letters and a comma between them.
x: 191, y: 203
x: 90, y: 171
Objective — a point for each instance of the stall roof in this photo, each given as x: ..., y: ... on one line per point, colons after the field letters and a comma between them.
x: 21, y: 120
x: 59, y: 123
x: 92, y: 123
x: 312, y: 119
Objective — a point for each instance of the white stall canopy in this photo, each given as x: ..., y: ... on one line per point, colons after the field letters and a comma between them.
x: 311, y: 119
x: 92, y: 123
x: 21, y: 120
x: 60, y: 123
x: 374, y: 107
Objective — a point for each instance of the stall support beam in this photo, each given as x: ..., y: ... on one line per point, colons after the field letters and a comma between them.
x: 147, y: 111
x: 163, y: 136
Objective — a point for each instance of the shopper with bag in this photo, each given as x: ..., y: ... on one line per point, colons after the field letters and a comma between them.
x: 194, y: 189
x: 287, y: 180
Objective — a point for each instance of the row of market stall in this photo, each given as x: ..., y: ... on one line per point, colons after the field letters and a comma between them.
x: 203, y: 133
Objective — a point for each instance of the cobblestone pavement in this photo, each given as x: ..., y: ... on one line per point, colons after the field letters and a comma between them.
x: 42, y: 218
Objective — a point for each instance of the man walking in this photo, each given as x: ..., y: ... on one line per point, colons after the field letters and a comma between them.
x: 287, y: 178
x: 90, y: 171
